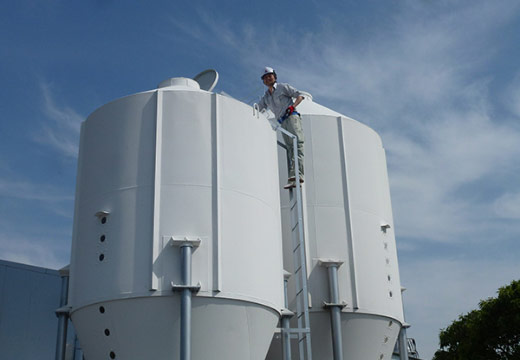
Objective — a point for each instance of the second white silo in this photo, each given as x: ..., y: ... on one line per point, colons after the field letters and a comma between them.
x: 348, y: 219
x: 155, y: 169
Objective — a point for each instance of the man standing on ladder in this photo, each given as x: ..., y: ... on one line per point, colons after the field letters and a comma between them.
x: 279, y: 99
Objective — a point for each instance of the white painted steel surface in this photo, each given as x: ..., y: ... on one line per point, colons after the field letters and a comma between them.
x: 176, y: 162
x: 348, y: 217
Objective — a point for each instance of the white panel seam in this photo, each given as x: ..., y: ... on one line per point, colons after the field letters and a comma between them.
x: 216, y: 187
x: 157, y: 187
x: 348, y: 219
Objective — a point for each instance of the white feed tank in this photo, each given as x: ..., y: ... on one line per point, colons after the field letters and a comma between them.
x: 348, y: 218
x: 172, y: 164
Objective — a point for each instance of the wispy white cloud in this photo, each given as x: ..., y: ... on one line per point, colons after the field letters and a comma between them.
x: 32, y: 191
x: 441, y: 290
x: 508, y: 206
x: 31, y: 250
x: 423, y: 83
x: 426, y: 175
x: 189, y: 28
x: 61, y: 130
x: 512, y: 96
x: 240, y: 39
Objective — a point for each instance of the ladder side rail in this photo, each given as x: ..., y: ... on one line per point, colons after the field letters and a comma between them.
x: 302, y: 257
x: 302, y: 298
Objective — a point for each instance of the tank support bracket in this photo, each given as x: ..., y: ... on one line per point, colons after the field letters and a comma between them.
x: 341, y: 305
x: 193, y: 289
x: 181, y: 241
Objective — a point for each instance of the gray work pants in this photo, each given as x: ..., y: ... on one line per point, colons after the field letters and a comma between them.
x: 293, y: 124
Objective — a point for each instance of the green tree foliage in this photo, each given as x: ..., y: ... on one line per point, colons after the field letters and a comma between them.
x: 490, y: 333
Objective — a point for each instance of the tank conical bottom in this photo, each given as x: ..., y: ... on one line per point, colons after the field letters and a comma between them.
x: 364, y: 336
x: 148, y: 328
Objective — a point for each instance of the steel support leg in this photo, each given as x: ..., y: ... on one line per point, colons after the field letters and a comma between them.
x: 335, y: 306
x: 286, y: 337
x: 335, y: 313
x: 63, y: 317
x: 186, y: 245
x: 186, y: 303
x: 78, y: 353
x: 403, y: 346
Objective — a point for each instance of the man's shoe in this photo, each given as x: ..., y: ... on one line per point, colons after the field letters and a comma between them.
x: 293, y: 178
x: 290, y: 185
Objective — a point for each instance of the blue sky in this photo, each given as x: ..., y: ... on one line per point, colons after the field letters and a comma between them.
x: 438, y: 80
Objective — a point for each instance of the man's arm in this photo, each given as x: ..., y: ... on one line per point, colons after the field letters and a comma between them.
x: 292, y: 92
x: 261, y: 104
x: 299, y: 99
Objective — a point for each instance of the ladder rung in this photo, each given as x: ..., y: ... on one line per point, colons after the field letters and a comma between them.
x: 296, y: 247
x: 294, y: 227
x: 299, y: 330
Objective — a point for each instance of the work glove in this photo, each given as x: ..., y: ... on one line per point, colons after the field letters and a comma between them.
x: 289, y: 110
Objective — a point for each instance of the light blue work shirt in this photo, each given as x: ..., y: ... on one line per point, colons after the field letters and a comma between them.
x: 279, y: 100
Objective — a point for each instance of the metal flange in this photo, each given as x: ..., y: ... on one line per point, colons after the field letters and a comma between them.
x: 341, y: 305
x: 192, y: 288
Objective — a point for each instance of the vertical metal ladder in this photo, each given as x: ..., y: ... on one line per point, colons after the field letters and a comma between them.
x: 302, y: 331
x: 300, y: 273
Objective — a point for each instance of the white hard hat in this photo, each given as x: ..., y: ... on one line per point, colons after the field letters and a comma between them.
x: 268, y: 70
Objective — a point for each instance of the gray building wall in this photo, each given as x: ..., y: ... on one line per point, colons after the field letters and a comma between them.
x: 29, y: 295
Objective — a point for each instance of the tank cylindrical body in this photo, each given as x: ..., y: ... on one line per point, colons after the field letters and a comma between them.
x: 163, y: 166
x: 348, y: 218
